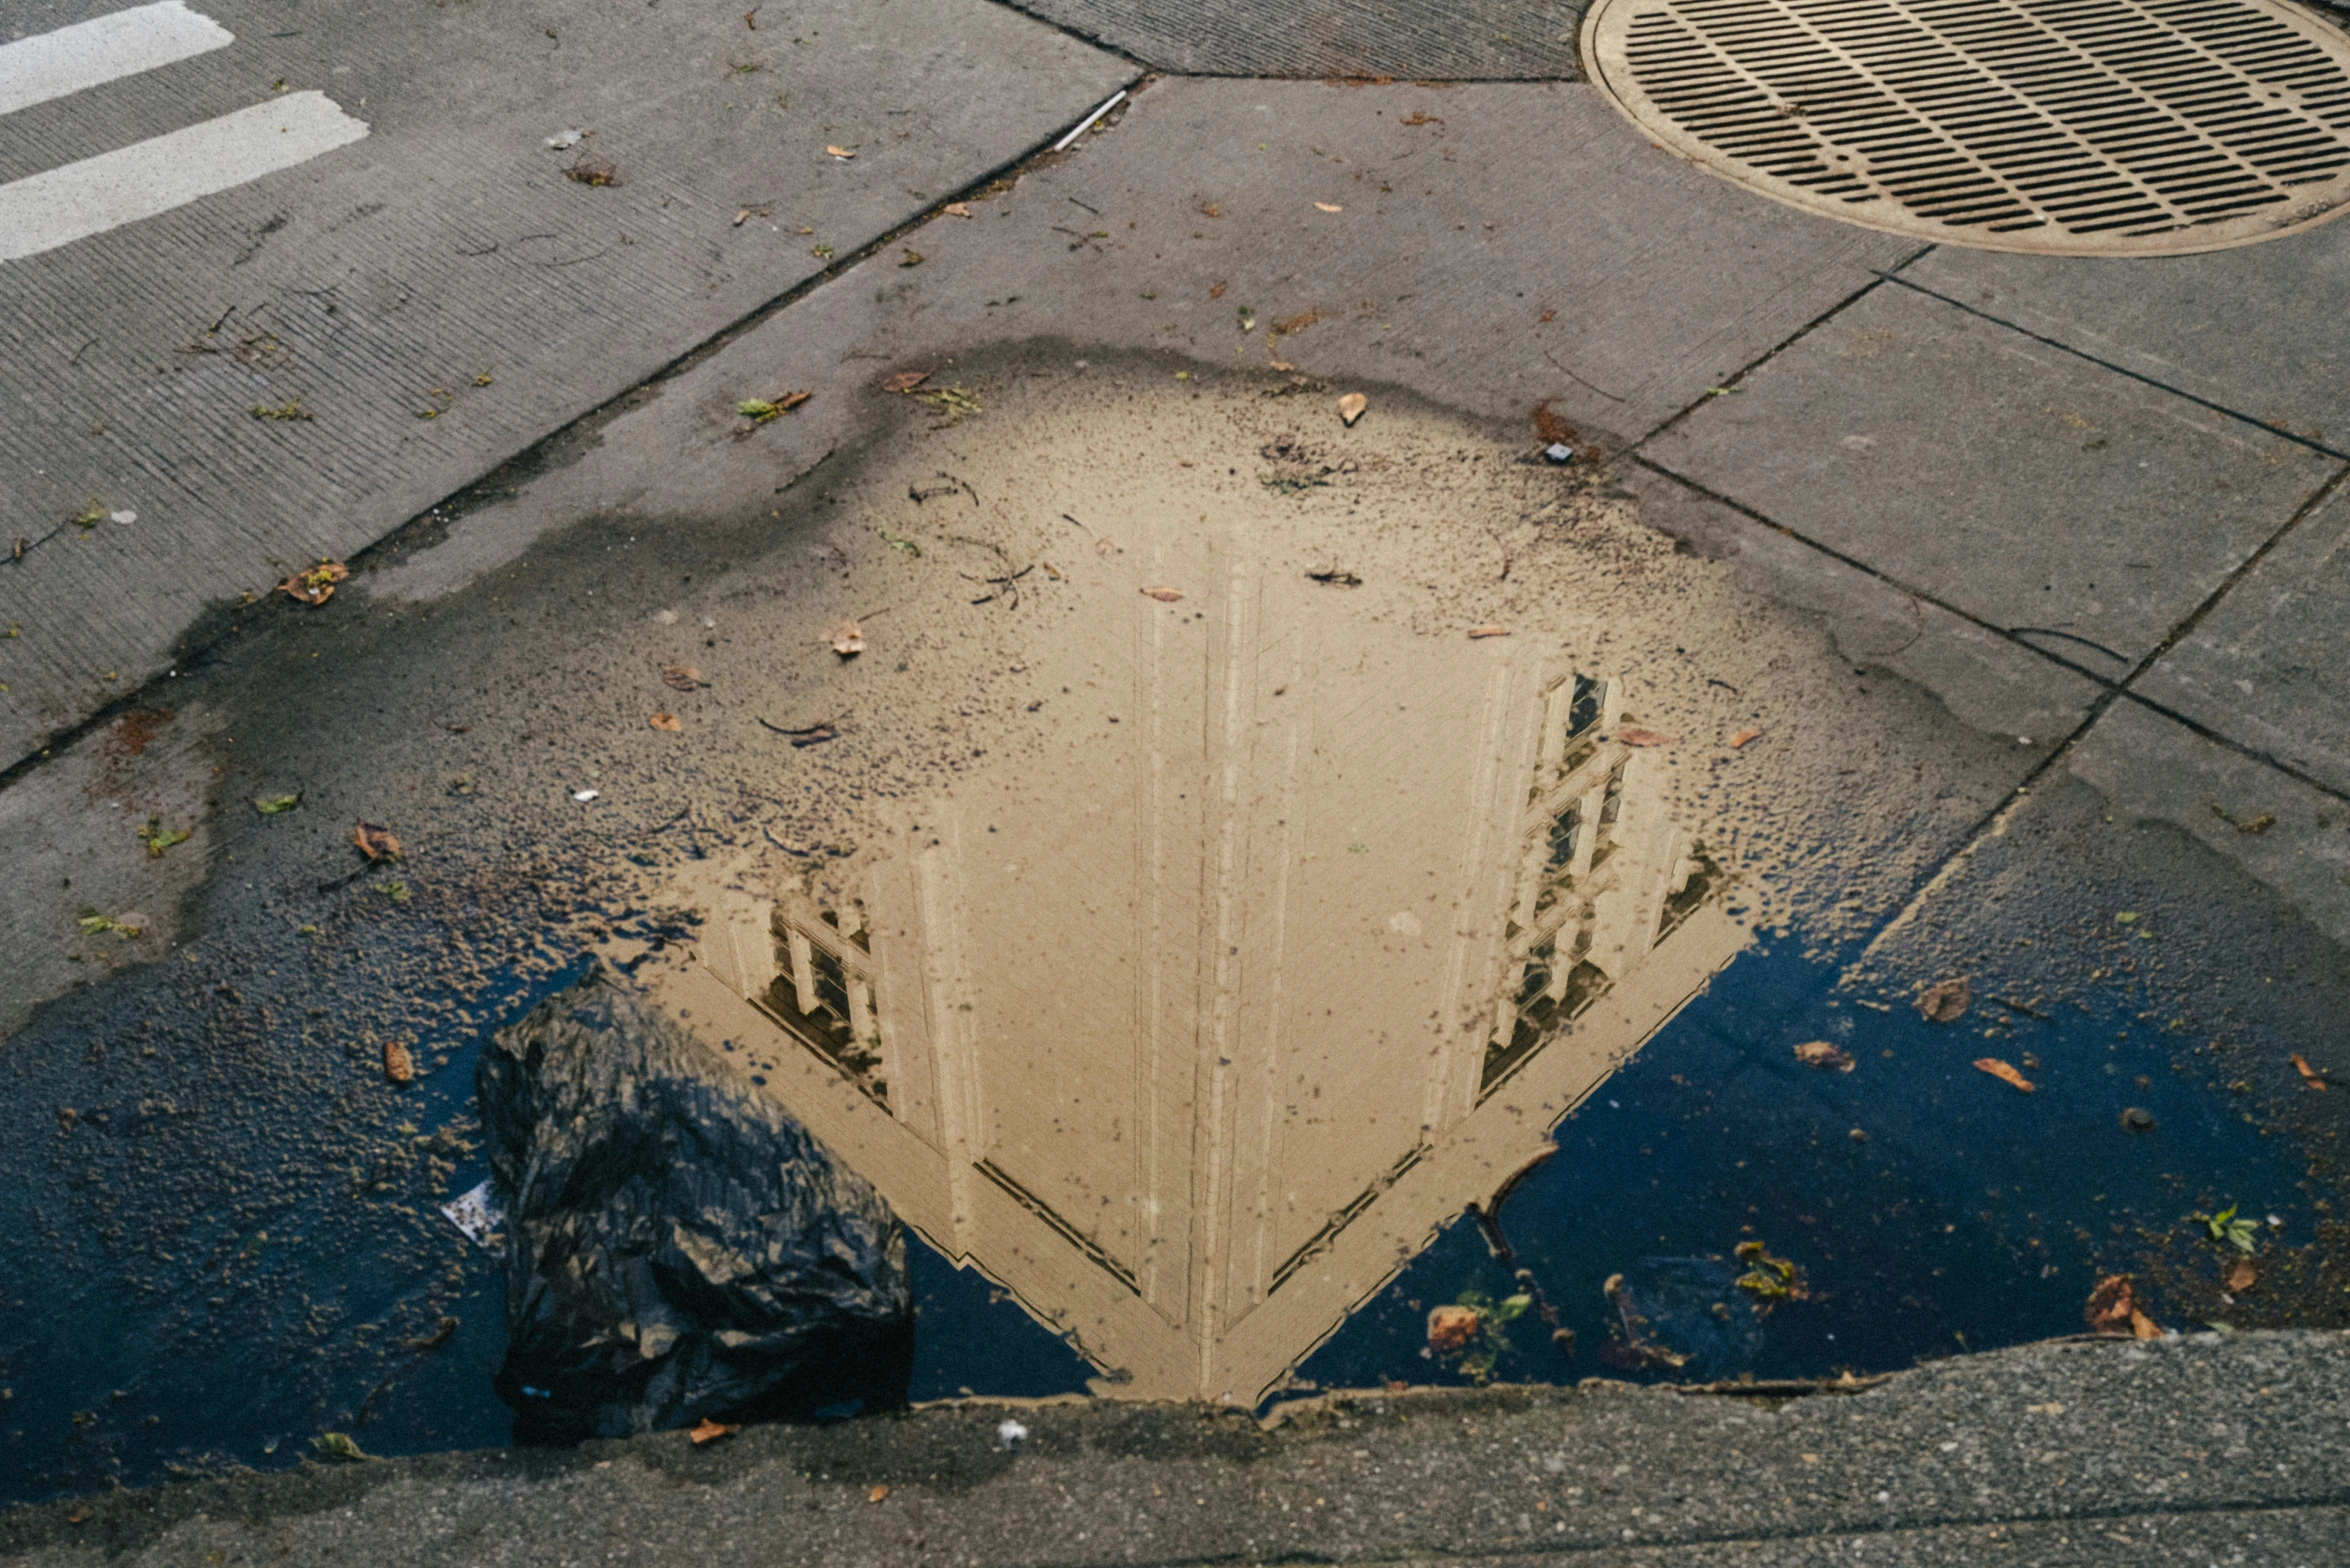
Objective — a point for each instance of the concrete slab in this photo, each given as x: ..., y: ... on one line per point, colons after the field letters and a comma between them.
x: 2014, y: 482
x: 410, y: 309
x: 1453, y: 40
x: 2277, y: 829
x: 1989, y: 682
x: 2107, y: 1453
x: 2263, y: 331
x: 2264, y: 668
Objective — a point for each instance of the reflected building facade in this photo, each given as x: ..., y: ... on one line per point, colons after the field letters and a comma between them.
x: 1286, y: 936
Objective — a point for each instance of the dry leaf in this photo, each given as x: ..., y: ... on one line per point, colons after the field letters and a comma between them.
x: 2309, y: 1075
x: 1351, y: 406
x: 709, y: 1431
x: 2143, y: 1326
x: 1163, y: 595
x: 681, y: 677
x: 904, y: 380
x: 2111, y: 1305
x: 842, y: 152
x: 1634, y: 735
x: 1945, y: 1001
x: 376, y: 843
x: 1820, y: 1054
x: 1451, y: 1327
x: 2242, y: 1276
x: 399, y: 1066
x: 1743, y: 736
x: 877, y: 1494
x: 957, y: 209
x: 848, y: 639
x: 2004, y: 1073
x: 317, y: 585
x: 1329, y: 206
x: 667, y: 722
x: 1476, y: 632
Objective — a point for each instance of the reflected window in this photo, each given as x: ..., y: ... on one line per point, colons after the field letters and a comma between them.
x: 823, y: 994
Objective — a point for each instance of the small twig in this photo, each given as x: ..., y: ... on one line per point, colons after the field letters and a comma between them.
x: 1066, y: 518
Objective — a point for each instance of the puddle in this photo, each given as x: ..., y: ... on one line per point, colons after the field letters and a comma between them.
x: 1231, y: 850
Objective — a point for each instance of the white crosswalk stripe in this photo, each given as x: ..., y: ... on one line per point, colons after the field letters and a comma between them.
x: 58, y: 206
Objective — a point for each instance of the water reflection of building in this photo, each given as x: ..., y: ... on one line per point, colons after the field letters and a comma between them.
x: 1289, y: 937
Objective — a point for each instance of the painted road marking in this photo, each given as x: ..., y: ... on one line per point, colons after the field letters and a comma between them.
x: 52, y: 65
x: 59, y: 206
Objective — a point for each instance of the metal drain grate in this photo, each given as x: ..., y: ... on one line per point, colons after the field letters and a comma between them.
x: 2066, y: 127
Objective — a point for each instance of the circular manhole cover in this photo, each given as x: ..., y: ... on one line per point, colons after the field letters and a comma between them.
x: 2064, y: 127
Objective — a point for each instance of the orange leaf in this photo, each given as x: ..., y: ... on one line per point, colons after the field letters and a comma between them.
x: 848, y: 639
x: 2309, y: 1075
x: 877, y: 1494
x: 905, y: 381
x: 2111, y: 1305
x: 1634, y: 735
x: 2004, y: 1073
x: 376, y: 843
x: 667, y: 723
x: 317, y: 585
x: 399, y: 1066
x: 1163, y: 595
x: 1476, y: 632
x: 2242, y: 1276
x: 1743, y: 736
x: 1451, y: 1327
x: 709, y: 1431
x: 1351, y: 406
x: 2143, y: 1326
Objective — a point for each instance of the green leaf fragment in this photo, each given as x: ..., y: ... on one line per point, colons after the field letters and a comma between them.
x: 276, y: 805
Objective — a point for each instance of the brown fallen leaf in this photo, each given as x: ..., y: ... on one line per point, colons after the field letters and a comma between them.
x: 1476, y: 632
x: 2143, y: 1326
x: 1451, y: 1327
x: 399, y: 1066
x: 1945, y: 1001
x: 841, y: 152
x: 2111, y: 1305
x: 709, y: 1431
x: 588, y: 172
x: 681, y: 677
x: 904, y: 380
x: 1329, y: 206
x: 2309, y: 1075
x: 848, y: 639
x: 666, y: 722
x: 877, y: 1494
x: 317, y: 585
x: 376, y: 843
x: 1634, y: 735
x: 1163, y: 595
x: 1822, y: 1055
x: 2242, y: 1276
x: 1744, y: 736
x: 1351, y: 406
x: 2004, y: 1073
x: 957, y: 209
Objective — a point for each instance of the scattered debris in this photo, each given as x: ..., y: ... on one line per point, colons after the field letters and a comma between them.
x: 2004, y: 1073
x: 1336, y: 578
x: 564, y: 141
x: 1087, y: 123
x: 2137, y: 1118
x: 844, y: 154
x: 2310, y: 1076
x: 276, y: 805
x: 707, y: 1431
x: 1825, y: 1057
x: 912, y: 258
x: 2111, y: 1305
x: 2241, y: 1277
x: 848, y: 639
x: 1472, y: 1331
x: 1476, y: 632
x: 904, y: 381
x: 1559, y: 452
x: 1634, y: 735
x: 336, y: 1448
x: 1163, y: 595
x: 1769, y: 1280
x: 667, y: 723
x: 291, y: 409
x: 95, y: 923
x: 1328, y: 206
x: 808, y: 736
x: 682, y: 677
x: 1945, y: 1001
x: 957, y: 403
x: 1351, y: 406
x: 476, y: 1213
x: 957, y: 209
x: 583, y: 796
x: 900, y: 543
x: 1009, y: 1435
x: 376, y: 843
x: 588, y: 172
x: 317, y: 585
x: 1744, y: 737
x: 2228, y: 1228
x: 759, y: 410
x: 159, y: 838
x: 399, y: 1064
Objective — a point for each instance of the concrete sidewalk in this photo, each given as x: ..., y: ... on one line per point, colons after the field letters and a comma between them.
x: 2180, y: 1452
